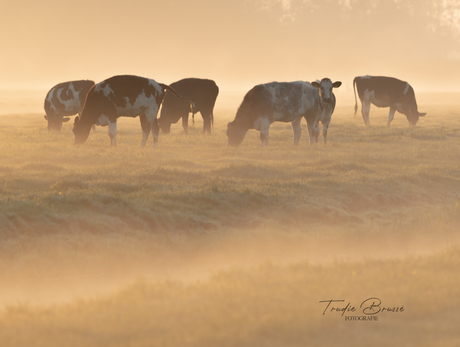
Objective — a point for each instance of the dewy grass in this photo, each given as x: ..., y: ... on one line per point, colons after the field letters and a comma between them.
x: 268, y: 304
x: 373, y: 213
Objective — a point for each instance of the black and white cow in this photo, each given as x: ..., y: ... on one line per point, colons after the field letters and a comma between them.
x: 202, y: 92
x: 327, y: 104
x: 284, y: 102
x: 64, y: 100
x: 386, y: 92
x: 121, y: 96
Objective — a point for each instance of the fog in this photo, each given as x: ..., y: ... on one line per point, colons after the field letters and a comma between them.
x: 195, y: 243
x: 237, y: 43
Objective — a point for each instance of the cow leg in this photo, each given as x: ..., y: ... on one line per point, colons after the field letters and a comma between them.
x: 325, y: 127
x: 185, y: 122
x: 264, y: 126
x: 207, y: 115
x: 145, y: 125
x: 316, y: 132
x: 311, y: 130
x: 365, y: 110
x: 297, y: 130
x: 155, y: 132
x: 391, y: 115
x: 113, y: 133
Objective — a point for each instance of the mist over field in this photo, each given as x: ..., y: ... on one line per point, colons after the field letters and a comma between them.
x: 195, y: 243
x: 237, y: 43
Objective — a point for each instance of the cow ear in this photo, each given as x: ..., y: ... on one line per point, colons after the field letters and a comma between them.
x: 65, y: 119
x: 337, y: 84
x: 45, y: 117
x: 315, y: 84
x: 422, y: 114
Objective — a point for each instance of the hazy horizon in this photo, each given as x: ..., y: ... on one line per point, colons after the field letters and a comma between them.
x: 237, y: 43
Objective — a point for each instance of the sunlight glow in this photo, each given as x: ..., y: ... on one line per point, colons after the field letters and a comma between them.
x: 450, y: 15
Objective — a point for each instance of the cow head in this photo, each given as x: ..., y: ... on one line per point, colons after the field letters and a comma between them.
x: 413, y: 116
x: 235, y: 134
x: 409, y: 107
x: 56, y: 123
x: 80, y: 131
x: 325, y: 89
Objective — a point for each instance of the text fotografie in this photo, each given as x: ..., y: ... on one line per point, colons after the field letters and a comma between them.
x: 368, y: 307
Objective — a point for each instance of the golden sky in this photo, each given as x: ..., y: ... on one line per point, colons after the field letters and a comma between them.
x: 238, y: 43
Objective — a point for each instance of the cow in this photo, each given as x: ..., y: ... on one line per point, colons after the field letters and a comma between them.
x: 64, y: 100
x: 284, y: 102
x: 202, y: 92
x: 122, y: 96
x: 386, y: 92
x: 327, y: 103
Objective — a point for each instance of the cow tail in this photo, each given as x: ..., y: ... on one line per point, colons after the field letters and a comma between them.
x: 356, y: 100
x: 192, y: 105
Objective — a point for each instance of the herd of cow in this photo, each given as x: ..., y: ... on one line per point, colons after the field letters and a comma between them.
x: 132, y: 96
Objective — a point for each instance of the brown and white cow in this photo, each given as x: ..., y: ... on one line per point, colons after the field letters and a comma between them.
x: 64, y: 100
x: 284, y: 102
x: 386, y: 92
x: 121, y: 96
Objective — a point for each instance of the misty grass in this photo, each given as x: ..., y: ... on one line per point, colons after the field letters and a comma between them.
x: 196, y: 182
x: 89, y: 220
x: 266, y: 305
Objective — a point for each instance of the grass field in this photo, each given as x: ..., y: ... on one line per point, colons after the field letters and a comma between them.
x: 197, y: 244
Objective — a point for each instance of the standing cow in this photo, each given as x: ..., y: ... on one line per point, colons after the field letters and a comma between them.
x: 327, y: 104
x: 122, y: 96
x: 386, y: 92
x: 202, y: 92
x: 284, y: 102
x: 64, y: 100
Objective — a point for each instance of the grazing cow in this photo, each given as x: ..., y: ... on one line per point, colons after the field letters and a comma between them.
x: 202, y: 92
x: 121, y: 96
x: 64, y: 100
x: 284, y: 102
x: 386, y: 92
